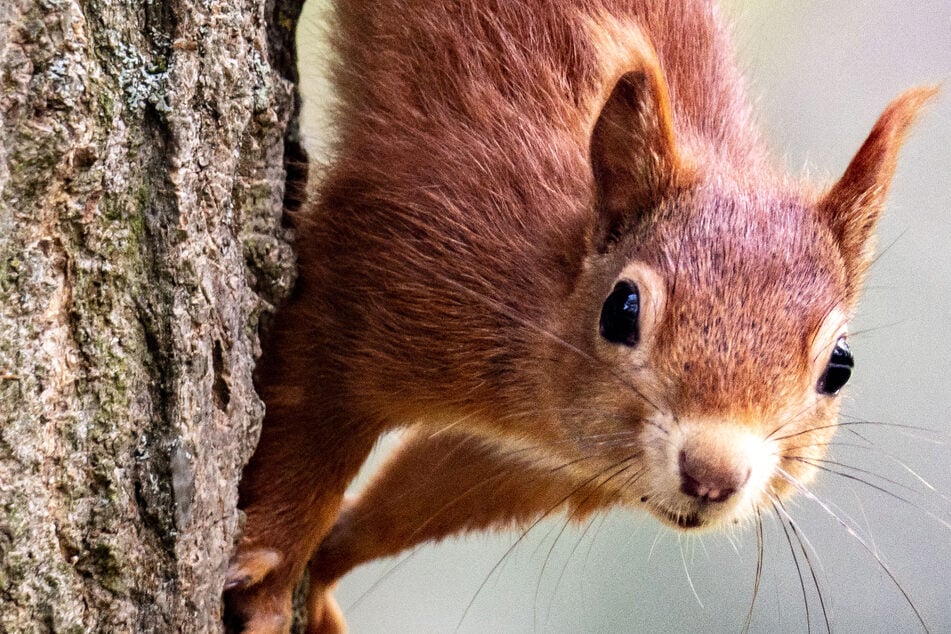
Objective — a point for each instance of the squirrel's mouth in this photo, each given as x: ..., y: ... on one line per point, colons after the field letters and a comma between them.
x: 681, y: 520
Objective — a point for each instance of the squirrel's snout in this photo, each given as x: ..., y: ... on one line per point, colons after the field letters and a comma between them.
x: 711, y: 480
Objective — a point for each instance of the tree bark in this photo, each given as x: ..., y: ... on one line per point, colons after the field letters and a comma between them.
x: 143, y: 157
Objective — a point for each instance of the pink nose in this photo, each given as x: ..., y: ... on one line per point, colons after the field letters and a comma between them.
x: 710, y: 480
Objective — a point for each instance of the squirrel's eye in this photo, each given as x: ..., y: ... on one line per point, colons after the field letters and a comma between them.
x: 620, y: 313
x: 838, y: 370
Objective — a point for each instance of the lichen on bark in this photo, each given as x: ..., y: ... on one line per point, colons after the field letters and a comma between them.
x: 142, y: 152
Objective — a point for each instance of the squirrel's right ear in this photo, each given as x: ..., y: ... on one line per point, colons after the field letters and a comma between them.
x: 633, y: 153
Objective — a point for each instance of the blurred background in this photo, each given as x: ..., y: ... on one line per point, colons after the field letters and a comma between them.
x: 820, y: 73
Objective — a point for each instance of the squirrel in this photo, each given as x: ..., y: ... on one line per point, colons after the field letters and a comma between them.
x: 549, y: 240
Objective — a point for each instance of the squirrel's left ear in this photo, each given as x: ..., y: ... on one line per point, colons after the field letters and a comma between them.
x: 852, y: 207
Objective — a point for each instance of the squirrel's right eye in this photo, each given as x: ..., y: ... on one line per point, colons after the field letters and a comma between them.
x: 620, y: 313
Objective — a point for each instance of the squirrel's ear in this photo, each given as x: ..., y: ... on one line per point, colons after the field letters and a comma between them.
x: 852, y: 206
x: 633, y: 152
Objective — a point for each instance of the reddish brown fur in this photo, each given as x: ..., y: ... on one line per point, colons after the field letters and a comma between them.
x: 497, y: 166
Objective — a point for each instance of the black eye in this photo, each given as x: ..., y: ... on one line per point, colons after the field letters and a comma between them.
x: 620, y: 313
x: 839, y: 369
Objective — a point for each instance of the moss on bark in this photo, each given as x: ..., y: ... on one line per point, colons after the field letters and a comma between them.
x: 141, y: 184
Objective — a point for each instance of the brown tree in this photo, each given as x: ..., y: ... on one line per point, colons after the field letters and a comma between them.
x: 143, y: 157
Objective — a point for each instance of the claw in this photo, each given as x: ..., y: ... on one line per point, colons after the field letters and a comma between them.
x: 232, y: 583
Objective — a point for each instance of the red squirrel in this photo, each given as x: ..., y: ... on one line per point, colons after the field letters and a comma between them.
x: 551, y: 242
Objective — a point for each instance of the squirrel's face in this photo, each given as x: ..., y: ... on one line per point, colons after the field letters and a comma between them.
x: 696, y: 365
x: 701, y: 380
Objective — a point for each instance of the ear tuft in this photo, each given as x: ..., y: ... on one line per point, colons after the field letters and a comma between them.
x: 633, y: 151
x: 852, y: 207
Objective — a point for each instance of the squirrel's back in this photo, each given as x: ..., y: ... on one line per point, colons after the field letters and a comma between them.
x: 459, y: 185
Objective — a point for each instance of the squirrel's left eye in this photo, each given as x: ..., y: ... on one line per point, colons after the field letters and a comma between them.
x: 838, y: 370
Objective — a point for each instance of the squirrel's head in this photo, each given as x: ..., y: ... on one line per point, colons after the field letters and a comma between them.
x: 699, y: 361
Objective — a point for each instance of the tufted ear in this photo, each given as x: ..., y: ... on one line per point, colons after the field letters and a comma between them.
x: 633, y: 152
x: 852, y: 207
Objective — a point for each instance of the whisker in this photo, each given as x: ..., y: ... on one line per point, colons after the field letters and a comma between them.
x: 504, y: 473
x: 820, y: 463
x: 564, y: 567
x: 683, y: 560
x: 525, y: 533
x: 803, y: 542
x: 804, y: 490
x: 788, y: 420
x: 706, y: 553
x: 832, y: 304
x: 657, y: 538
x: 624, y: 439
x: 448, y: 427
x: 570, y: 517
x: 792, y: 551
x: 872, y: 485
x: 513, y: 315
x: 865, y: 331
x: 881, y: 253
x: 759, y: 570
x: 587, y: 554
x: 868, y: 445
x: 868, y: 524
x: 379, y: 581
x: 904, y: 428
x: 899, y: 426
x: 733, y: 543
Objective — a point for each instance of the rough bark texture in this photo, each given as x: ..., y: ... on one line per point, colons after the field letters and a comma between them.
x: 142, y: 171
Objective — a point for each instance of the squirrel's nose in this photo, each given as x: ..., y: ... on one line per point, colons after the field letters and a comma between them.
x: 711, y: 480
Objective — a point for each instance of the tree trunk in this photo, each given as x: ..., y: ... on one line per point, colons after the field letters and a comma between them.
x: 143, y: 157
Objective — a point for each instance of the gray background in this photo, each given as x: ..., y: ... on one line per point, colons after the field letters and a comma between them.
x: 820, y: 72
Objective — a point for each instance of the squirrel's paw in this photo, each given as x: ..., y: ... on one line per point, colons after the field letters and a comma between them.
x: 253, y: 607
x: 249, y: 566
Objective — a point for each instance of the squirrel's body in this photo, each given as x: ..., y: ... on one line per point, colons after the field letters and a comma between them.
x: 498, y: 168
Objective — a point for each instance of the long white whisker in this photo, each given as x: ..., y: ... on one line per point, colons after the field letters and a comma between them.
x: 760, y: 540
x: 683, y: 560
x: 792, y: 551
x: 872, y: 485
x: 804, y: 490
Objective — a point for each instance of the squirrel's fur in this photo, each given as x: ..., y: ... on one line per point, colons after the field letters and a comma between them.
x: 497, y: 166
